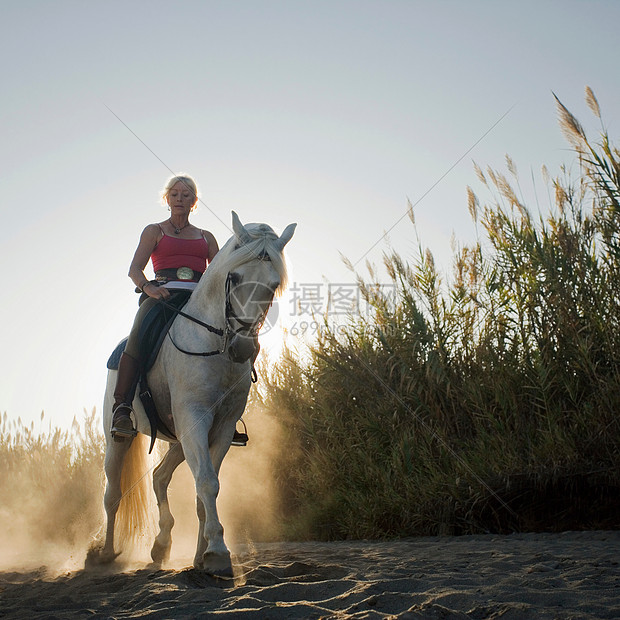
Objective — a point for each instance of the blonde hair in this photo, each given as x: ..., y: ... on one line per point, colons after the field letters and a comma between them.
x: 187, y: 181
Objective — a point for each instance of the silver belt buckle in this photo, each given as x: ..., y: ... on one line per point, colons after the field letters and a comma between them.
x: 185, y: 273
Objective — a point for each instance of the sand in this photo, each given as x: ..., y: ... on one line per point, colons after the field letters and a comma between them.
x: 567, y: 575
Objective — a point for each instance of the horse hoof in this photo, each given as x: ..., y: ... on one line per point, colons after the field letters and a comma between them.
x: 217, y: 564
x: 160, y: 553
x: 96, y: 556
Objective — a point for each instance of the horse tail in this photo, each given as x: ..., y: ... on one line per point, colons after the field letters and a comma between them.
x: 135, y: 517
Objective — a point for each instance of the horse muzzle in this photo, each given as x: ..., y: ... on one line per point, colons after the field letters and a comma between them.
x: 241, y: 348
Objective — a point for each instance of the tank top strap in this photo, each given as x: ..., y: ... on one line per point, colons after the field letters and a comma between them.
x: 161, y: 233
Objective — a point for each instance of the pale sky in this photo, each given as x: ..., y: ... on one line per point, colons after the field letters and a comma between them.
x: 328, y: 113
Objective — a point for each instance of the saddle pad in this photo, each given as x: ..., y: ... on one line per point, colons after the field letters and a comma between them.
x: 156, y: 325
x: 115, y: 358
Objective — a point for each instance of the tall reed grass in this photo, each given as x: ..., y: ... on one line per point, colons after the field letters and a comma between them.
x: 50, y: 489
x: 484, y: 402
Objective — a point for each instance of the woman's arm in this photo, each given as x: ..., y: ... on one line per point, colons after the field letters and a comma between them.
x: 148, y: 241
x: 213, y: 247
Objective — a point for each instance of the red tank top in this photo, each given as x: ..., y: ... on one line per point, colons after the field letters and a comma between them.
x: 172, y: 253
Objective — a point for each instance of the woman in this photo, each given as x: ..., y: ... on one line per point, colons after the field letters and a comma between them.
x: 180, y: 253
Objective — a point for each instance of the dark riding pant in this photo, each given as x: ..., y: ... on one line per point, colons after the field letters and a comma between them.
x: 133, y: 342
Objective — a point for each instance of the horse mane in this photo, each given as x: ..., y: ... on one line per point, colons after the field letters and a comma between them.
x: 263, y: 241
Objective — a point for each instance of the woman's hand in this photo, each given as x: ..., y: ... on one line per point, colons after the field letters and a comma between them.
x: 156, y: 292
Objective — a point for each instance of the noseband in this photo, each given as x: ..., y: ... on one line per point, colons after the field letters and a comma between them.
x: 248, y: 328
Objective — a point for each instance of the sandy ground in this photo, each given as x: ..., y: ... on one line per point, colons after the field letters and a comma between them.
x: 568, y: 575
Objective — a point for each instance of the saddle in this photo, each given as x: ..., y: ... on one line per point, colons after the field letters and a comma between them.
x: 153, y: 330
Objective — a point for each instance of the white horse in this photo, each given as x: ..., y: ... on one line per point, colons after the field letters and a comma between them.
x: 200, y: 397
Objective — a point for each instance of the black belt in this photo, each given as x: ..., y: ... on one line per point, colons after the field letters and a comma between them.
x: 184, y: 274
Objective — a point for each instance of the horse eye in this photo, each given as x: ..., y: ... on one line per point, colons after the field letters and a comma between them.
x: 235, y: 278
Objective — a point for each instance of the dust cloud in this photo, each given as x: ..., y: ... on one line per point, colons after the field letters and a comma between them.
x: 51, y: 503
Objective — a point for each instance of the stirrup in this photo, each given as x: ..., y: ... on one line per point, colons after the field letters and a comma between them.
x: 123, y: 427
x: 240, y: 439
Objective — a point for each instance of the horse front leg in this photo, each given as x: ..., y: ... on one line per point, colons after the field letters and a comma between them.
x: 217, y: 454
x: 161, y: 479
x: 212, y: 554
x: 216, y: 557
x: 201, y: 544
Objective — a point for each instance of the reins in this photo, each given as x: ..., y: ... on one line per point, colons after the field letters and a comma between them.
x: 214, y: 330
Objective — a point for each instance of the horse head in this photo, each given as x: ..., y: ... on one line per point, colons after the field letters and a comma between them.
x: 257, y: 274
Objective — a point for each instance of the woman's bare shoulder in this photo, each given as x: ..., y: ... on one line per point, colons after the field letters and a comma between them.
x: 208, y: 236
x: 153, y: 231
x: 214, y: 248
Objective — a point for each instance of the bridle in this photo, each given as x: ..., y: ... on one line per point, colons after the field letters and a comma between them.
x: 249, y: 329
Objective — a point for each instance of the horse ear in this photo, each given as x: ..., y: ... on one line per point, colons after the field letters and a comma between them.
x: 286, y: 236
x: 239, y: 229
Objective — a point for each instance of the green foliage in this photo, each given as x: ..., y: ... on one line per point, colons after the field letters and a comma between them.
x: 487, y: 403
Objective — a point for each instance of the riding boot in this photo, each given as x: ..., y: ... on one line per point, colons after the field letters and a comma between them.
x: 124, y: 393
